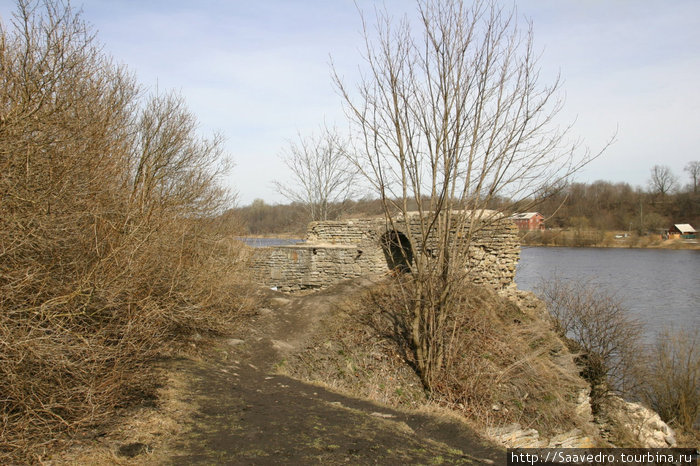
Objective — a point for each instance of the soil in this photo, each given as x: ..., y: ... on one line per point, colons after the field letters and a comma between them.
x: 238, y: 409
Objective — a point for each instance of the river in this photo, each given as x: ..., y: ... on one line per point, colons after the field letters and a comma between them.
x: 662, y: 287
x: 265, y: 242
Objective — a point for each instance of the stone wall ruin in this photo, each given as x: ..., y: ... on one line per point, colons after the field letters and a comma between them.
x: 339, y: 250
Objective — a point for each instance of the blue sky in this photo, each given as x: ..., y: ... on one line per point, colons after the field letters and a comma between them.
x: 258, y: 71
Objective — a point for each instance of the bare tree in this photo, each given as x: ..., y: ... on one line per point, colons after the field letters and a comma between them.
x: 323, y: 177
x: 693, y: 169
x: 662, y: 180
x: 447, y: 117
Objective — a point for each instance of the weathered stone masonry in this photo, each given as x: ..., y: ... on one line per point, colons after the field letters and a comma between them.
x: 339, y: 250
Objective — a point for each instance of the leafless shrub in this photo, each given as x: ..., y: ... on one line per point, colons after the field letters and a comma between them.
x: 106, y: 250
x: 500, y: 364
x: 693, y: 169
x: 599, y: 327
x: 671, y: 384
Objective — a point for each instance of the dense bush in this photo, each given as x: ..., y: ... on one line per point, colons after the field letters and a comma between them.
x: 292, y: 219
x: 610, y: 206
x: 106, y: 253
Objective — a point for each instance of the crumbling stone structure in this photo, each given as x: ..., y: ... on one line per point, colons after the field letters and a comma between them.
x: 339, y: 250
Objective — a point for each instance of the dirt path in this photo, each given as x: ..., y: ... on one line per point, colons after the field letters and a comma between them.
x: 247, y: 414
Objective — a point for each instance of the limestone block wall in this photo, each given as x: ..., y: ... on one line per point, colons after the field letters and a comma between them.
x: 305, y: 266
x: 364, y: 234
x: 339, y: 250
x: 494, y: 255
x: 365, y: 231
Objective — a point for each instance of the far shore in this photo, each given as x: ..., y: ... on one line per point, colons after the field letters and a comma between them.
x: 625, y: 243
x: 672, y: 244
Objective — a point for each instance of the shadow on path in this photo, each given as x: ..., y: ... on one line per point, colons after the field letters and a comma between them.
x: 247, y: 414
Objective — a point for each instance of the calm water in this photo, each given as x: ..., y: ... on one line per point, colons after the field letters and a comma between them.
x: 660, y: 286
x: 264, y: 242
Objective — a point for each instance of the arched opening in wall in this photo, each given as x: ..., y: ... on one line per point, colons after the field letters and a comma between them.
x: 397, y: 251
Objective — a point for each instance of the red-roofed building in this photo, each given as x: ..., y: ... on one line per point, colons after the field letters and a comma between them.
x: 529, y: 220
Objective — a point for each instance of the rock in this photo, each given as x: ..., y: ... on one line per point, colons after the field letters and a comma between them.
x: 583, y: 405
x: 280, y: 345
x: 632, y: 420
x: 513, y: 436
x: 235, y: 341
x: 572, y: 439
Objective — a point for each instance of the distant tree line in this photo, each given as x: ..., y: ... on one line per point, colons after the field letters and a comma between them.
x: 600, y: 205
x: 604, y: 205
x: 260, y: 218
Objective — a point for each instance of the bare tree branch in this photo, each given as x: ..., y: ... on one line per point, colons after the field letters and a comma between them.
x: 693, y: 169
x: 323, y: 177
x: 662, y: 180
x: 448, y: 117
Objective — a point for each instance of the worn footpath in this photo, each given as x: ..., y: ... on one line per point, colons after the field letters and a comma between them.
x: 248, y: 414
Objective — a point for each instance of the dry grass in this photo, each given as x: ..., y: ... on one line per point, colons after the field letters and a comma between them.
x: 107, y: 255
x: 504, y: 365
x: 151, y: 424
x: 351, y: 355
